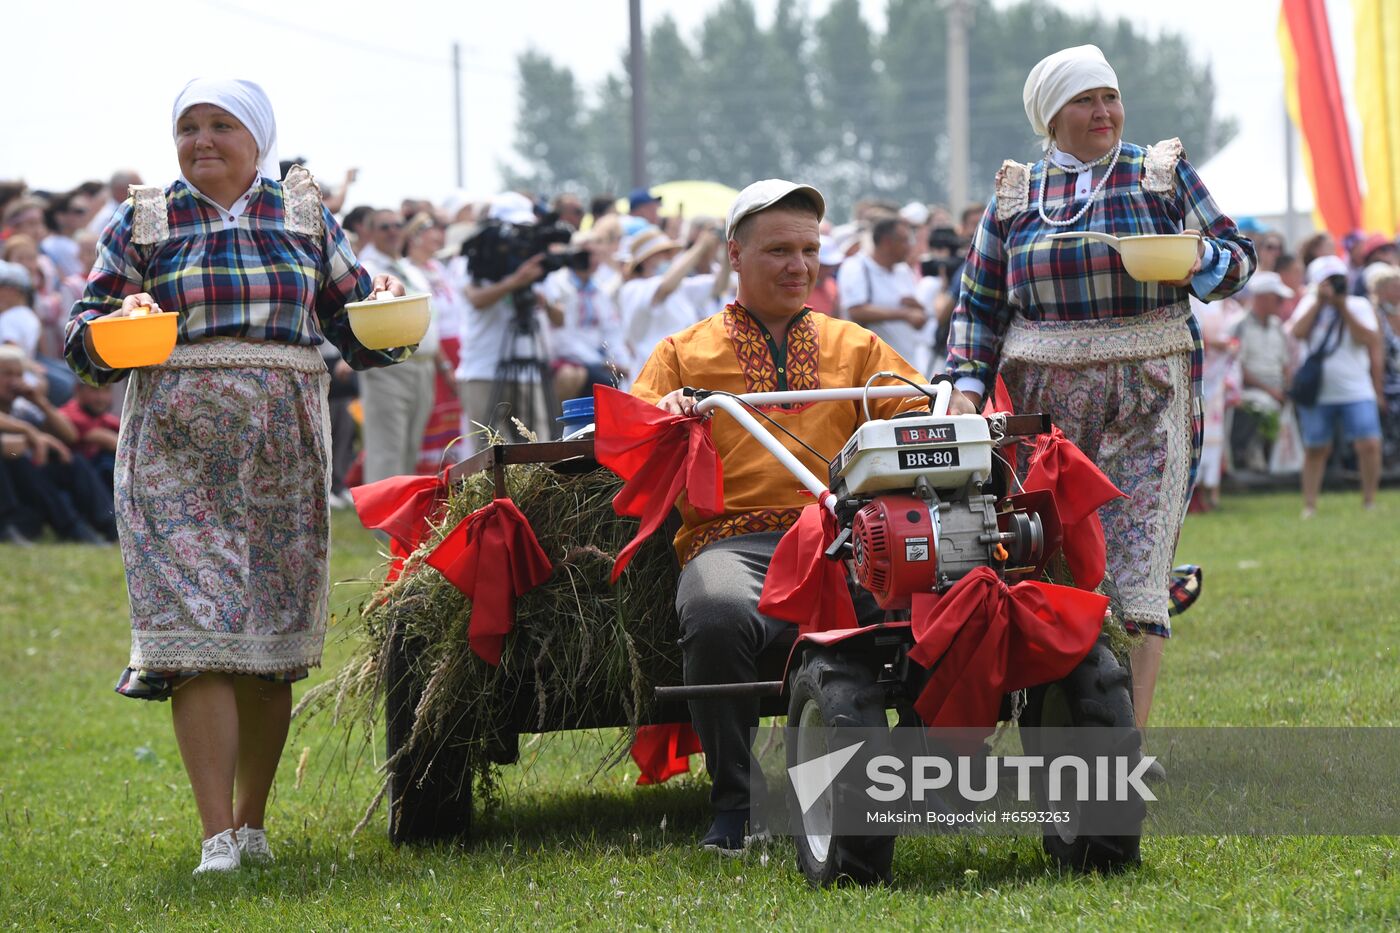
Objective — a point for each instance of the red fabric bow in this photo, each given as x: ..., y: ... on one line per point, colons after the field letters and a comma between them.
x: 658, y: 455
x: 989, y: 640
x: 1079, y: 488
x: 494, y: 558
x: 802, y: 586
x: 664, y: 751
x: 401, y: 507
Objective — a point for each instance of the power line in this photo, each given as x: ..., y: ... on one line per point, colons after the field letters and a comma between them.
x: 417, y: 58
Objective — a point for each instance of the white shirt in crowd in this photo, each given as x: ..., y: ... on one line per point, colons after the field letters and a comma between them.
x: 1346, y: 372
x: 1264, y: 356
x: 592, y: 330
x: 440, y: 304
x: 20, y: 326
x: 648, y: 324
x: 863, y: 281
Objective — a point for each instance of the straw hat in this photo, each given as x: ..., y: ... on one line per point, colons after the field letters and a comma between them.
x: 646, y: 245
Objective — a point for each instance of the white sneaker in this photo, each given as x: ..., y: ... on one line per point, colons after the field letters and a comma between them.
x: 252, y: 846
x: 219, y: 853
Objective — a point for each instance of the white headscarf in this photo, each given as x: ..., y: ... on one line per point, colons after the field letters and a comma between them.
x: 248, y: 103
x: 1057, y: 79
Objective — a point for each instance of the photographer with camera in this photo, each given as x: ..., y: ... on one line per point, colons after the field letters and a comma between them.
x: 1342, y: 330
x: 587, y: 334
x: 941, y: 269
x: 504, y: 368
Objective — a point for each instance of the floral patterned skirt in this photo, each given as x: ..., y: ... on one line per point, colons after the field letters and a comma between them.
x: 1128, y: 400
x: 222, y: 475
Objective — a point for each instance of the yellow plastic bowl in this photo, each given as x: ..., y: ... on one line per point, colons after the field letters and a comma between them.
x: 390, y: 322
x: 129, y: 342
x: 1159, y: 257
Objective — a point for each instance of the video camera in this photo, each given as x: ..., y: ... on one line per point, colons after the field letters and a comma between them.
x: 498, y: 248
x: 945, y: 242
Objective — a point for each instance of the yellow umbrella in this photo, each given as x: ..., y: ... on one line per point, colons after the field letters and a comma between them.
x: 691, y: 198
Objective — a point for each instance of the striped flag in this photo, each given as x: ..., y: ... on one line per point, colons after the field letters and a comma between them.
x: 1378, y: 106
x: 1314, y: 96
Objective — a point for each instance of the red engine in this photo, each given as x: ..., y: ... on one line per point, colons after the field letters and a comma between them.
x: 899, y: 550
x: 895, y: 549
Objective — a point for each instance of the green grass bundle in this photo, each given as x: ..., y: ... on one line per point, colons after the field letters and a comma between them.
x: 583, y: 652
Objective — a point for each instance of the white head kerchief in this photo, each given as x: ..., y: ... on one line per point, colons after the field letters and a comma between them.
x: 1057, y: 79
x: 248, y: 103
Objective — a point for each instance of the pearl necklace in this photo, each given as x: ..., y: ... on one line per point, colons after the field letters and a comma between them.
x: 1040, y: 202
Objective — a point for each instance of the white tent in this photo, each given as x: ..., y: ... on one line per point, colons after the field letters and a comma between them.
x: 1248, y: 178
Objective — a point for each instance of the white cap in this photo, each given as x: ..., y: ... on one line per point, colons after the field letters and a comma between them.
x: 13, y: 275
x: 915, y: 212
x: 1324, y: 267
x: 513, y: 208
x: 1269, y: 283
x: 764, y: 194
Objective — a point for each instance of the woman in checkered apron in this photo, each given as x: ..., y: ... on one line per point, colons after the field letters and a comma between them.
x: 222, y: 470
x: 1115, y: 362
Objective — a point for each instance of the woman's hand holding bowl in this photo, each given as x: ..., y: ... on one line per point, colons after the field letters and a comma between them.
x: 385, y: 283
x: 1196, y: 266
x: 132, y: 304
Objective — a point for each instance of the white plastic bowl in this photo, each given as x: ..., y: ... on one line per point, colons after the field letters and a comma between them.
x: 385, y: 323
x: 1162, y: 257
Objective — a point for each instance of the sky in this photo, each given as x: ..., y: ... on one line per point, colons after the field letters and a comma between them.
x: 374, y: 91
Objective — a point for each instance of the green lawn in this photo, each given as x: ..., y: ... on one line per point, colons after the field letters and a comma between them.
x: 1299, y: 624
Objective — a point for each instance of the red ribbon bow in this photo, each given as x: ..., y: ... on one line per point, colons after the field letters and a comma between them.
x: 802, y: 586
x: 401, y: 507
x: 658, y: 455
x: 1079, y: 488
x: 988, y: 640
x: 663, y: 751
x: 494, y: 558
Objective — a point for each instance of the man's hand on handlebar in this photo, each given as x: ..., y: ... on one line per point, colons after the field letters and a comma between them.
x: 964, y: 403
x: 677, y: 403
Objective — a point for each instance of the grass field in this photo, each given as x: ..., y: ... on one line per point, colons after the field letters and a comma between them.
x: 1299, y: 624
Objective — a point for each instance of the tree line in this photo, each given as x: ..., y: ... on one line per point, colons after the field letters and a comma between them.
x: 833, y: 101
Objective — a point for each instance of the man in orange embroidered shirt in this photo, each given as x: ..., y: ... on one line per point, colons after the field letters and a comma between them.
x: 767, y: 340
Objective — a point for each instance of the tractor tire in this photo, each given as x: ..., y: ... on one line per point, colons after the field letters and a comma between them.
x: 1096, y: 694
x: 430, y: 795
x: 828, y: 691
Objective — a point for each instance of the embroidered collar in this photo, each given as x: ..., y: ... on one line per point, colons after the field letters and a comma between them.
x: 768, y: 367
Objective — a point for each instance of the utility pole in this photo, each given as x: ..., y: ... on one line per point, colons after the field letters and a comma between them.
x: 959, y: 135
x: 1290, y: 209
x: 637, y: 73
x: 457, y: 106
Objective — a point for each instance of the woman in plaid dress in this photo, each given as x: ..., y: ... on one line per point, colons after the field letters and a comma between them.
x: 222, y: 472
x: 1115, y: 362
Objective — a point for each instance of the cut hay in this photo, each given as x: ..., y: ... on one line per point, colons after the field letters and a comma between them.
x: 582, y: 653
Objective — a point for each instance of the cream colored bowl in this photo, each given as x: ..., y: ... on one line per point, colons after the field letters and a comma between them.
x: 1166, y: 257
x: 390, y: 322
x: 129, y: 342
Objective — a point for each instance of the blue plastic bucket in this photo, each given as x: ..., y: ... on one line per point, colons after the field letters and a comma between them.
x: 578, y: 414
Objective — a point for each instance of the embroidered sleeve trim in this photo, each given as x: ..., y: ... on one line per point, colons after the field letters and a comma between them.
x: 301, y: 202
x: 150, y: 221
x: 1159, y: 166
x: 1013, y: 188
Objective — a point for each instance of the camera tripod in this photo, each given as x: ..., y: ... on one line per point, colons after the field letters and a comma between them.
x: 522, y: 382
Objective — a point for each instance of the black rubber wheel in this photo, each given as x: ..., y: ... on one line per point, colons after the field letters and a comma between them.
x: 827, y: 691
x: 1098, y: 694
x: 430, y: 794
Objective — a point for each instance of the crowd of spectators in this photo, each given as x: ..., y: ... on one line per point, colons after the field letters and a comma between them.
x: 503, y: 353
